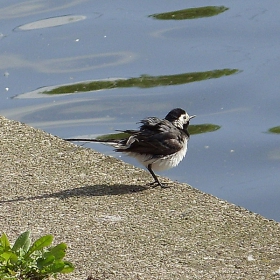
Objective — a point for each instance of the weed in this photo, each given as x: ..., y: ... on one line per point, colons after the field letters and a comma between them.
x: 32, y: 262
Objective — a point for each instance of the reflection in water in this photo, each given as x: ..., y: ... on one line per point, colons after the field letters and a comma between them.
x: 193, y: 129
x: 50, y: 22
x: 86, y: 62
x: 68, y: 64
x: 274, y: 154
x: 203, y: 128
x: 191, y: 13
x: 144, y: 81
x: 32, y: 7
x: 275, y: 129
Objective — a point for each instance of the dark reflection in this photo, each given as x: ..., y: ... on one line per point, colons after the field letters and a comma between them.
x: 191, y: 13
x: 144, y: 81
x: 275, y: 129
x: 193, y: 129
x: 203, y: 128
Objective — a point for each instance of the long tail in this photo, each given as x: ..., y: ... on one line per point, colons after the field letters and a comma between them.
x: 109, y: 142
x: 109, y: 139
x: 84, y: 140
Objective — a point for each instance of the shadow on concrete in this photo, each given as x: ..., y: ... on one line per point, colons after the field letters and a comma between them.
x: 94, y: 190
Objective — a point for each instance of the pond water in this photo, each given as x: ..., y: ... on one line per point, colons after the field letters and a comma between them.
x: 87, y: 68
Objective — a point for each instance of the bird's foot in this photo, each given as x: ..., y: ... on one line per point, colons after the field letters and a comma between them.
x: 158, y: 183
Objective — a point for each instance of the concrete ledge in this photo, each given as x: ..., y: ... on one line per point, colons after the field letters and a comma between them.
x: 116, y: 227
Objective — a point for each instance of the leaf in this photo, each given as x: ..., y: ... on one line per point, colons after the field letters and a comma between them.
x: 58, y: 251
x: 39, y: 244
x: 5, y: 242
x: 22, y: 242
x: 9, y: 256
x: 58, y: 266
x: 43, y: 262
x: 68, y: 267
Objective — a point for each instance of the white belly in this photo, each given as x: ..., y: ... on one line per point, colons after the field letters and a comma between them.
x: 162, y: 163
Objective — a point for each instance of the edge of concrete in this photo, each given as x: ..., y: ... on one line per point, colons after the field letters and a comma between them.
x: 118, y: 228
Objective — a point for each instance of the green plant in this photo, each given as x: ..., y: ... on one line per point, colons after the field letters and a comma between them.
x: 35, y: 262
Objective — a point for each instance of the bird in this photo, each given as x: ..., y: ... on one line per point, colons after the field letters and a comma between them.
x: 158, y: 144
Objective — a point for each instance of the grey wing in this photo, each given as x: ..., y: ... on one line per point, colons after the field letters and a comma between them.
x: 150, y: 123
x: 158, y: 137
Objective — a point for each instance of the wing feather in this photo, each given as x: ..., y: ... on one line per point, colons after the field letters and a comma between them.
x: 156, y: 136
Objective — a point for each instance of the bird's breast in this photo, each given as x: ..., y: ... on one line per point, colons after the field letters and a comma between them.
x: 161, y: 162
x: 170, y: 161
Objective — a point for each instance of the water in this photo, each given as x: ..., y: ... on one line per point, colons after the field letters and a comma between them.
x: 79, y: 42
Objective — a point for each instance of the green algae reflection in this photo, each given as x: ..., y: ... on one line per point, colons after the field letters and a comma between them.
x: 275, y: 129
x: 144, y: 81
x: 193, y: 129
x: 191, y: 13
x: 203, y: 128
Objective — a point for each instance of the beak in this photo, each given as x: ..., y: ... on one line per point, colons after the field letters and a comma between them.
x: 191, y: 117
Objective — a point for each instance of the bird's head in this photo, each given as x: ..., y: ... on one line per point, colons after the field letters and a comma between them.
x: 179, y: 118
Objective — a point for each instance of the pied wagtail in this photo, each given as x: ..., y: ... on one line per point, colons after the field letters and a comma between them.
x: 159, y: 144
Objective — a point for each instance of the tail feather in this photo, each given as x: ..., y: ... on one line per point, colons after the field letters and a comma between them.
x: 81, y: 140
x: 119, y: 141
x: 110, y: 142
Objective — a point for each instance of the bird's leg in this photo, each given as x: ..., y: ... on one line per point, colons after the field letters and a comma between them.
x: 156, y: 182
